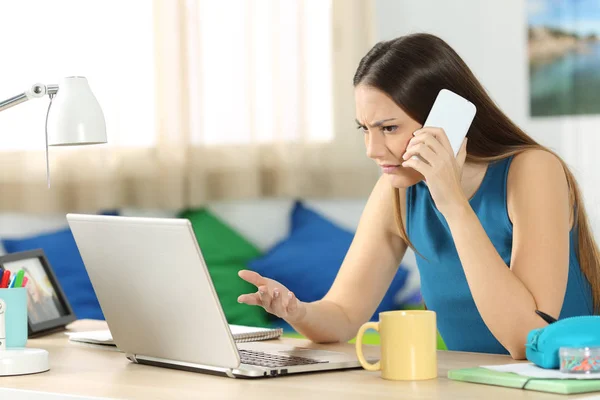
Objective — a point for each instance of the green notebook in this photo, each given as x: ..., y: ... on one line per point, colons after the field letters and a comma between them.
x: 509, y: 379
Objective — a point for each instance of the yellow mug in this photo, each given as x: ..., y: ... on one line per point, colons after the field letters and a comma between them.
x: 408, y: 345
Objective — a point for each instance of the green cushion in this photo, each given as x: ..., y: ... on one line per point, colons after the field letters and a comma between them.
x: 226, y: 252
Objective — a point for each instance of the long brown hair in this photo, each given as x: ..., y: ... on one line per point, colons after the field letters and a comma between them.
x: 412, y: 70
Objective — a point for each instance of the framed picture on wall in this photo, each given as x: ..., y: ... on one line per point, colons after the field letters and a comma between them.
x: 47, y: 306
x: 563, y: 49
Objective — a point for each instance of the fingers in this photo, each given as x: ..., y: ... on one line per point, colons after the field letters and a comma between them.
x: 252, y: 277
x: 255, y: 299
x: 428, y: 139
x: 418, y: 165
x: 292, y: 306
x: 284, y: 304
x: 252, y: 299
x: 274, y: 299
x: 439, y: 134
x: 265, y: 297
x: 422, y: 150
x: 277, y: 301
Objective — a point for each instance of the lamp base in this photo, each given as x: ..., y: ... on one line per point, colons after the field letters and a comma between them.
x: 23, y: 361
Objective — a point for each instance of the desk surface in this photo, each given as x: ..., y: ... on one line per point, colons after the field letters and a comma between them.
x: 81, y: 370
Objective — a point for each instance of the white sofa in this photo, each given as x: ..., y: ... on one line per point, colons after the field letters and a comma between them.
x: 263, y: 222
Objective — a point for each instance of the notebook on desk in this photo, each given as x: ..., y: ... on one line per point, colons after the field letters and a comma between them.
x: 250, y: 334
x: 240, y: 334
x: 512, y: 380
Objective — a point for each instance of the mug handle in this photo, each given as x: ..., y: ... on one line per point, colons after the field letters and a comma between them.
x: 359, y: 352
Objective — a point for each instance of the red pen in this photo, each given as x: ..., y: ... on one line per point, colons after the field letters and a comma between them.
x: 5, y: 279
x: 25, y: 279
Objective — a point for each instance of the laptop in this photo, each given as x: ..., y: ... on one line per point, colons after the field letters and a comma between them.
x: 161, y: 306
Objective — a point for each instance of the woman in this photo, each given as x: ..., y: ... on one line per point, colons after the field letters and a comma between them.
x: 499, y: 231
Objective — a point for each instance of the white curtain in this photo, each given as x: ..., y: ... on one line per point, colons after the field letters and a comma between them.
x: 204, y: 100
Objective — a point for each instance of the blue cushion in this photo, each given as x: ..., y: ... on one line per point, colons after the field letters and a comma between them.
x: 308, y: 260
x: 65, y: 260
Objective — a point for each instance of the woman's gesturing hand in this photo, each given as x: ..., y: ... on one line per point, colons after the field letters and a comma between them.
x: 272, y: 296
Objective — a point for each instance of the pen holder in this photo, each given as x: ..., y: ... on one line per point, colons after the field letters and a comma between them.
x: 15, y: 316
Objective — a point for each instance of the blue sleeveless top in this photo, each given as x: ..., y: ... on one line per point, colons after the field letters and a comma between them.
x: 443, y: 283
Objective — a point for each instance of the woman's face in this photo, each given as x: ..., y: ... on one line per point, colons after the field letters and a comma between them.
x: 387, y: 130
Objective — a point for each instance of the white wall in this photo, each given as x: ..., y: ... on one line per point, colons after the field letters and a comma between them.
x: 491, y: 36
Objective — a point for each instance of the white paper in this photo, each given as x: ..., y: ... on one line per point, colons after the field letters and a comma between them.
x: 533, y: 371
x: 244, y: 330
x: 103, y: 337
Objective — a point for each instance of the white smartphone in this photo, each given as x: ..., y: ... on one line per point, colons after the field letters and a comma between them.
x: 454, y: 114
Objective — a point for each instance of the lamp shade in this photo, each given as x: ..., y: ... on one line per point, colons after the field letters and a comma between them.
x: 75, y: 116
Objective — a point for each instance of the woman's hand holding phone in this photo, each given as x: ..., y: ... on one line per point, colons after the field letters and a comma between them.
x: 439, y: 150
x: 436, y: 162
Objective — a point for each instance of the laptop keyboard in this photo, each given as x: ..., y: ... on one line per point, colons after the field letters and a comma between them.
x: 274, y: 361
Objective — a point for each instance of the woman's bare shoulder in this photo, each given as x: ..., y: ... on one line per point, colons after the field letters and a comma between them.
x: 536, y: 164
x: 534, y: 177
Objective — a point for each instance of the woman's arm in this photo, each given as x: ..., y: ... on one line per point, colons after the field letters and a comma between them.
x: 365, y: 275
x: 363, y: 279
x: 539, y: 208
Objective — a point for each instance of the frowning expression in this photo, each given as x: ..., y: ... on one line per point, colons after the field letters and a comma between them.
x: 387, y: 130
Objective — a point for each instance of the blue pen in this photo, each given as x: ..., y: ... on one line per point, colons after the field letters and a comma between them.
x: 12, y: 281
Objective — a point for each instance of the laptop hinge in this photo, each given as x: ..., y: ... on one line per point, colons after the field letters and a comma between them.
x: 162, y: 362
x: 131, y: 357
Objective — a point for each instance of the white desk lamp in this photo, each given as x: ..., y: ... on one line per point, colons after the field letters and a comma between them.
x: 76, y: 119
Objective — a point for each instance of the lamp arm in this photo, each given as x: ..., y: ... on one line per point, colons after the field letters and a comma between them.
x: 37, y: 90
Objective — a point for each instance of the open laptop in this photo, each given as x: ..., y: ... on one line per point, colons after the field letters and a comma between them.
x: 161, y: 306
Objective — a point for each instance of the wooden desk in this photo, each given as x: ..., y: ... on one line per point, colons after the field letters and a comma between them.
x: 80, y: 370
